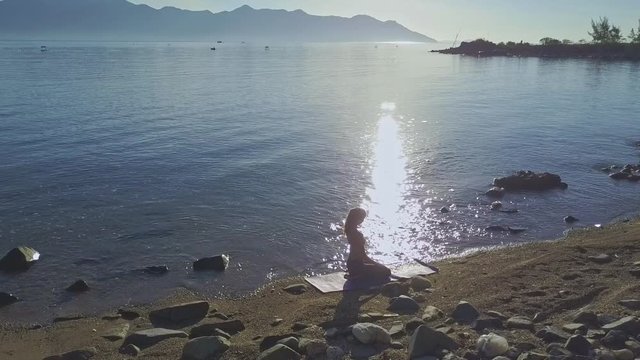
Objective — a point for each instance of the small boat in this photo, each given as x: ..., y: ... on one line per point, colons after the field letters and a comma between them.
x: 43, y: 48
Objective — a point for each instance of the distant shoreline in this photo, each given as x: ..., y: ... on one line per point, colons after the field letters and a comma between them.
x: 484, y: 48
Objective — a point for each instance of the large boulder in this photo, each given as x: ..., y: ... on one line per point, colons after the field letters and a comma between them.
x: 182, y: 312
x: 427, y: 341
x: 204, y: 348
x: 19, y: 259
x: 231, y: 327
x: 528, y: 180
x: 368, y: 333
x: 217, y: 263
x: 146, y: 338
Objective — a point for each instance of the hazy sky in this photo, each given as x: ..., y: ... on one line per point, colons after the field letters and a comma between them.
x: 492, y: 19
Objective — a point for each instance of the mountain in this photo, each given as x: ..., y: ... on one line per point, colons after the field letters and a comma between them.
x: 122, y: 20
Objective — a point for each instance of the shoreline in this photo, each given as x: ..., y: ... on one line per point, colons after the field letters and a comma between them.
x: 553, y: 277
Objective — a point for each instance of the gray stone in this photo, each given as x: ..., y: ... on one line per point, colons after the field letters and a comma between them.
x: 145, y: 338
x: 296, y: 289
x: 216, y: 263
x: 404, y: 305
x: 83, y: 354
x: 570, y: 219
x: 634, y: 346
x: 334, y: 353
x: 482, y: 323
x: 465, y: 313
x: 231, y: 327
x: 396, y: 345
x: 631, y: 304
x: 130, y: 350
x: 604, y: 354
x: 128, y: 314
x: 492, y: 345
x: 362, y: 351
x: 279, y: 352
x: 19, y: 259
x: 313, y: 348
x: 299, y: 326
x: 497, y: 315
x: 368, y: 333
x: 277, y: 322
x: 7, y: 299
x: 623, y: 354
x: 397, y: 330
x: 553, y: 334
x: 533, y: 355
x: 291, y: 342
x: 628, y: 324
x: 520, y: 322
x: 78, y: 286
x: 578, y: 344
x: 596, y: 334
x: 116, y: 333
x: 412, y: 324
x: 573, y: 327
x: 204, y: 348
x: 394, y: 289
x: 601, y: 258
x: 426, y: 341
x: 419, y: 283
x: 156, y: 270
x: 586, y: 317
x: 614, y: 339
x: 182, y: 312
x: 431, y: 313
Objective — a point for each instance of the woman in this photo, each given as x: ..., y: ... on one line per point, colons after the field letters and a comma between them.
x: 359, y: 265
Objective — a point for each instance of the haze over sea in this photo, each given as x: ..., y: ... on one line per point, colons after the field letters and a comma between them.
x: 117, y: 156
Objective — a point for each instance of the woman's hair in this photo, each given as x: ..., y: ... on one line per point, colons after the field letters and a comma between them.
x: 354, y: 218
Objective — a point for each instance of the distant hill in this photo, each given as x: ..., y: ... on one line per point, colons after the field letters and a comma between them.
x: 122, y: 20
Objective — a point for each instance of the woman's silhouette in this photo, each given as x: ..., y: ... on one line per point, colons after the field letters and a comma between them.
x: 359, y: 265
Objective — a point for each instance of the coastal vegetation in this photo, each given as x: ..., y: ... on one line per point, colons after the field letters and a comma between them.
x: 607, y: 42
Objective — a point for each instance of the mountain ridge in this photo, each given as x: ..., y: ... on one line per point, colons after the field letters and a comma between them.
x: 125, y: 21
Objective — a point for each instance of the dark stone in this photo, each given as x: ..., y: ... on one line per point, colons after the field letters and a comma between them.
x: 520, y: 322
x: 629, y: 324
x: 552, y: 334
x: 426, y: 341
x: 78, y: 286
x: 486, y: 323
x: 394, y: 289
x: 130, y: 350
x: 83, y: 354
x: 586, y: 317
x: 495, y: 192
x: 404, y: 305
x: 444, y: 210
x: 19, y: 259
x: 146, y: 338
x: 231, y: 327
x: 570, y: 219
x: 516, y: 230
x: 182, y: 312
x: 270, y: 341
x: 7, y: 299
x: 465, y: 313
x: 296, y: 289
x: 299, y: 326
x: 279, y: 352
x: 631, y: 304
x: 496, y: 228
x: 156, y: 270
x: 528, y: 180
x: 128, y: 314
x: 614, y: 339
x: 619, y: 175
x: 578, y: 344
x: 217, y: 263
x: 412, y: 324
x: 573, y: 327
x: 635, y: 272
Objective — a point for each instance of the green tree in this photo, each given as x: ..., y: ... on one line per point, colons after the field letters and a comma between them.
x: 550, y: 41
x: 634, y: 36
x: 603, y: 32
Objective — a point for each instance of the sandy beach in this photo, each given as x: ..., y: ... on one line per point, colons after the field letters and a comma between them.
x: 549, y: 283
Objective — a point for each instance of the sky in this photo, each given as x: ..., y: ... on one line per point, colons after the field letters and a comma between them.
x: 496, y: 20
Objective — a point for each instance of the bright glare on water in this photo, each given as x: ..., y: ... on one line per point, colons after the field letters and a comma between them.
x: 119, y: 156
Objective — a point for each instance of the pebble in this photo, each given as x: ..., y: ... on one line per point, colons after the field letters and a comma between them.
x: 156, y: 270
x: 128, y: 314
x: 573, y: 327
x: 614, y: 339
x: 404, y: 305
x: 394, y: 289
x: 492, y: 345
x: 313, y: 348
x: 331, y: 333
x: 634, y: 346
x: 204, y: 348
x: 570, y: 219
x: 299, y: 326
x: 334, y: 353
x: 444, y: 210
x: 552, y: 334
x: 586, y: 317
x: 78, y: 286
x: 19, y: 259
x: 482, y: 323
x: 276, y: 322
x: 216, y: 263
x: 628, y: 323
x: 83, y: 354
x: 397, y: 330
x: 465, y: 313
x: 117, y: 333
x: 231, y: 327
x: 497, y: 314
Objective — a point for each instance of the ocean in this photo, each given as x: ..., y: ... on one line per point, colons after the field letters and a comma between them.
x: 118, y: 156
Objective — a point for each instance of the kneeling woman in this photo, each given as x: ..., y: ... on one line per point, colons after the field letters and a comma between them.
x: 359, y: 265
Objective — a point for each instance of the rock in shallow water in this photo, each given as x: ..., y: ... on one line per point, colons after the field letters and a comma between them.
x: 7, y: 299
x: 19, y: 259
x: 217, y: 263
x: 528, y: 180
x: 78, y: 286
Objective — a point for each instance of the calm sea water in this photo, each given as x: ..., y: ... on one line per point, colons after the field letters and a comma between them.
x: 119, y: 156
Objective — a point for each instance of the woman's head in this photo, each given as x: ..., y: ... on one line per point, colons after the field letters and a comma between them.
x: 354, y: 218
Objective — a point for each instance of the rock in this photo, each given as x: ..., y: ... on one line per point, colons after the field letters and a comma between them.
x: 396, y: 345
x: 553, y: 334
x: 528, y: 180
x: 394, y: 289
x: 482, y: 323
x: 492, y: 345
x: 604, y: 354
x: 334, y: 353
x: 217, y: 263
x: 586, y: 317
x: 130, y: 350
x: 368, y: 333
x: 412, y: 324
x: 291, y: 342
x: 296, y: 289
x: 7, y: 299
x: 533, y: 355
x: 299, y: 326
x: 156, y: 270
x: 204, y: 348
x: 635, y: 271
x: 465, y: 313
x: 595, y: 334
x: 557, y: 350
x: 83, y: 354
x: 419, y: 283
x: 631, y: 304
x: 78, y: 286
x: 494, y: 228
x: 634, y: 346
x: 313, y: 348
x: 426, y: 341
x: 128, y: 314
x: 495, y: 192
x: 623, y: 354
x: 331, y: 333
x: 578, y: 344
x: 68, y: 318
x: 573, y: 327
x: 146, y: 338
x: 619, y: 175
x: 404, y: 305
x: 220, y: 316
x: 520, y: 322
x: 444, y: 210
x: 231, y: 327
x: 601, y: 258
x: 614, y: 339
x: 182, y: 312
x: 397, y: 330
x: 279, y: 352
x: 628, y: 324
x: 431, y: 313
x: 19, y: 259
x: 276, y: 322
x: 117, y: 333
x: 497, y: 314
x: 496, y: 205
x: 570, y: 219
x: 270, y: 341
